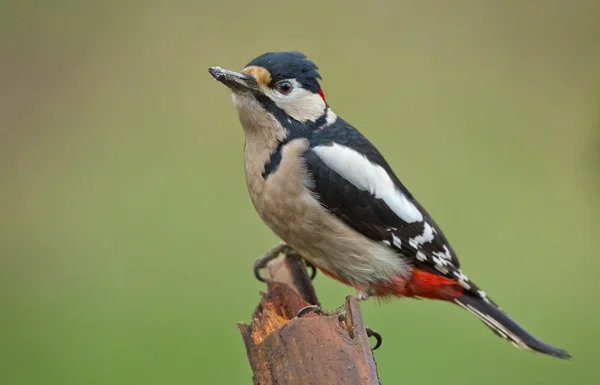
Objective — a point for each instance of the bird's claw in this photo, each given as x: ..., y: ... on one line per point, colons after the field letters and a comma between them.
x: 257, y: 267
x: 378, y: 338
x: 307, y: 309
x: 270, y: 255
x: 341, y: 313
x: 313, y: 269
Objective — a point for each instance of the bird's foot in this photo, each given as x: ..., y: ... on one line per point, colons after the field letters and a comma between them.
x: 270, y: 255
x: 340, y: 312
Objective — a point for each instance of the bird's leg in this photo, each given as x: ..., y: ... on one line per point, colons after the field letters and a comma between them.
x: 340, y: 312
x: 293, y: 253
x: 270, y: 255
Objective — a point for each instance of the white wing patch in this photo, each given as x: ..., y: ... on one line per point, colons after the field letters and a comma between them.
x: 366, y: 176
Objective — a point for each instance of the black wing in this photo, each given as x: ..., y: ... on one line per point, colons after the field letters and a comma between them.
x: 370, y: 215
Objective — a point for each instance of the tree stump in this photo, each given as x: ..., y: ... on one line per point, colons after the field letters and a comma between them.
x: 316, y: 350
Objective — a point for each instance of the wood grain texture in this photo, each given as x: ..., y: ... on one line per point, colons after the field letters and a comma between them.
x: 316, y: 350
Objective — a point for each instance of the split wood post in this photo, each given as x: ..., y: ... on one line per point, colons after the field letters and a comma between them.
x: 314, y: 350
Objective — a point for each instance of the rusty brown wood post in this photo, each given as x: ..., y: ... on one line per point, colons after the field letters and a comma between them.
x: 315, y: 350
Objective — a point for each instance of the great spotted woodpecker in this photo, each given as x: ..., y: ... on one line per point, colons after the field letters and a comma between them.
x: 329, y: 194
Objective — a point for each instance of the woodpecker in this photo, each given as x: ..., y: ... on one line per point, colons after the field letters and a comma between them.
x: 331, y: 197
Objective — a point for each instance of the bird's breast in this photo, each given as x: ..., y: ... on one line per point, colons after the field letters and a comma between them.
x: 282, y: 199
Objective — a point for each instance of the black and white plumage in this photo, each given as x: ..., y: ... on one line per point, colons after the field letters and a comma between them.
x: 354, y: 182
x: 326, y: 191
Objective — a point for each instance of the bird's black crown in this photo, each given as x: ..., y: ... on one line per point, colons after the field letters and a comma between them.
x: 289, y: 65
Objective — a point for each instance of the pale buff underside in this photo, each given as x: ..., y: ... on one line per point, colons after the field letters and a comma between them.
x: 286, y: 205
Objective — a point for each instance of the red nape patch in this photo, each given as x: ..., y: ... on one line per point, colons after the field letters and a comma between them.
x: 422, y: 284
x: 322, y: 94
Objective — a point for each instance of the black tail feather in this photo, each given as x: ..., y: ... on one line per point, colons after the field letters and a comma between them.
x: 504, y: 326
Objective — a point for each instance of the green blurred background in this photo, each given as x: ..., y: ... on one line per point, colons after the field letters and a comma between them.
x: 126, y: 234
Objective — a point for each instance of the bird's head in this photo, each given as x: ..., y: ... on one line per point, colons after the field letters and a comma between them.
x: 283, y: 85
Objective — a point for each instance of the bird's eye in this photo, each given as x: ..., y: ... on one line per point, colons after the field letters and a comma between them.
x: 284, y: 87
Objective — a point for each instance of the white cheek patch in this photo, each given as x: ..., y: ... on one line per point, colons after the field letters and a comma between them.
x: 366, y: 176
x: 300, y: 104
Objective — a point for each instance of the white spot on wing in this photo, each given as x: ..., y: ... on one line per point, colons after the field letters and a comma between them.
x: 427, y: 236
x: 439, y: 261
x: 459, y: 274
x: 444, y: 255
x: 421, y: 256
x: 462, y: 279
x: 441, y: 265
x: 397, y: 241
x: 366, y: 176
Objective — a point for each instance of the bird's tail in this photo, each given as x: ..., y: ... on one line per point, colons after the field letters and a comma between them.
x: 504, y: 326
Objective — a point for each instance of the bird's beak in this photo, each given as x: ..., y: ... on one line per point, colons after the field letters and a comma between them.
x: 234, y: 80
